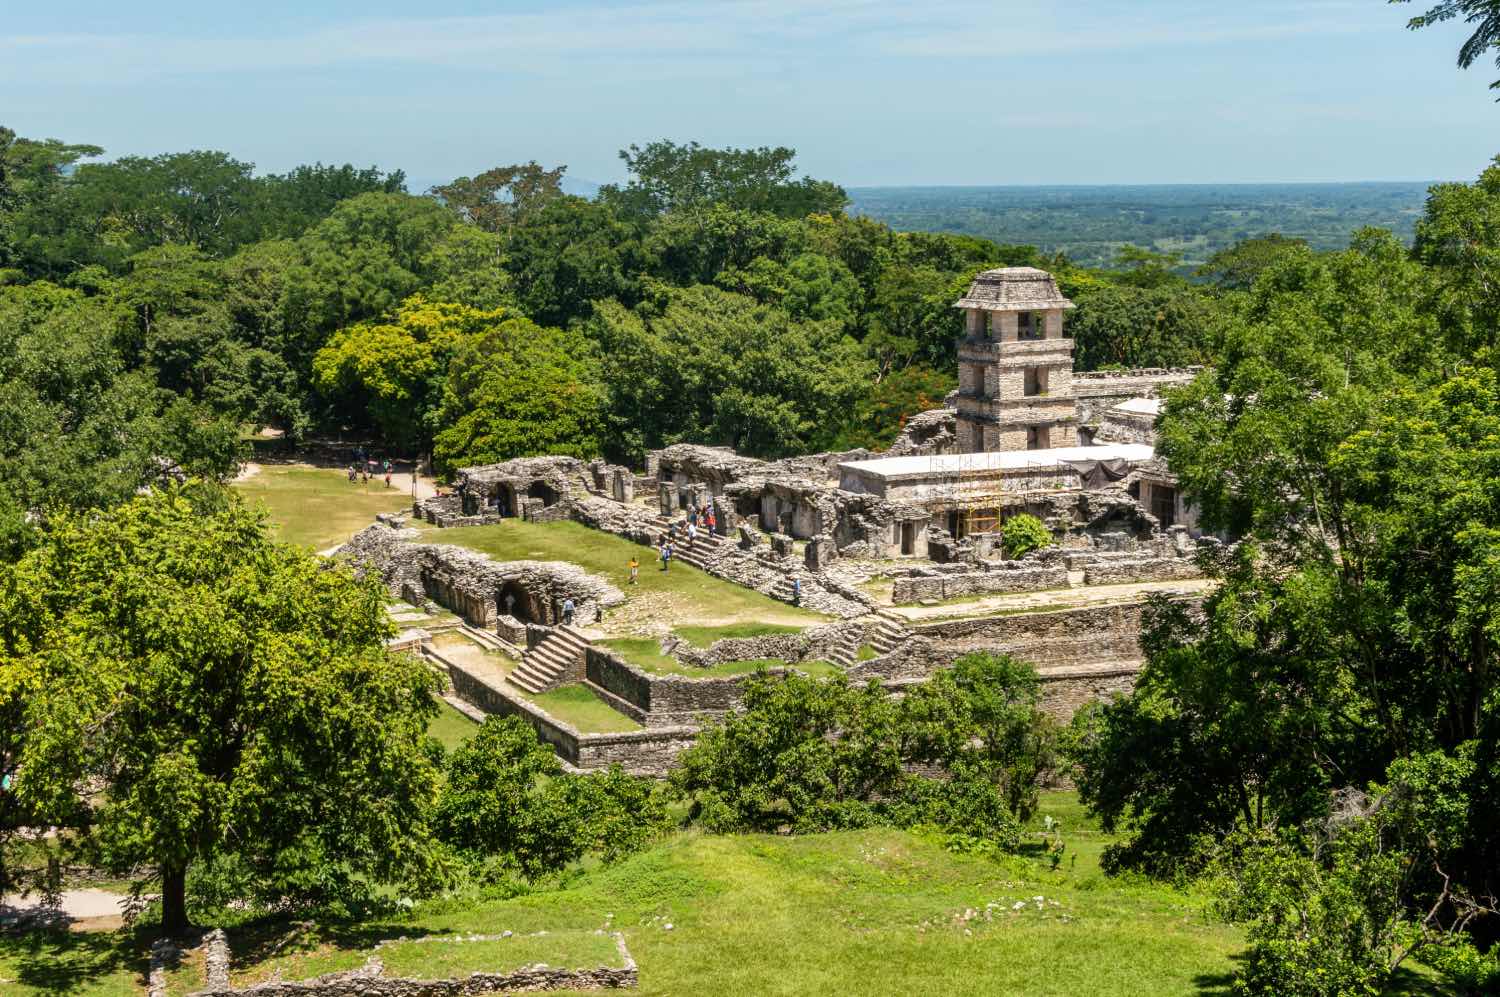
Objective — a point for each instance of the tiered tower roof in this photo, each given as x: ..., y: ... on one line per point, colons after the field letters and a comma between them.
x: 1014, y: 289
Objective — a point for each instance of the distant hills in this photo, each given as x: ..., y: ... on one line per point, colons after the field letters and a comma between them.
x: 1090, y: 223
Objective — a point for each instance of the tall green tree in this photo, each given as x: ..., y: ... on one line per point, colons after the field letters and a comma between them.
x: 706, y: 366
x: 516, y: 389
x: 191, y: 691
x: 666, y: 176
x: 82, y: 429
x: 503, y: 195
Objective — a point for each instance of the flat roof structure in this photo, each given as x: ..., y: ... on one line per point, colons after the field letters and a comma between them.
x: 1140, y: 406
x: 948, y: 465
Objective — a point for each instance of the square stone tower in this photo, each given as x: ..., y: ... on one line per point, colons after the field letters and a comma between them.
x: 1015, y: 369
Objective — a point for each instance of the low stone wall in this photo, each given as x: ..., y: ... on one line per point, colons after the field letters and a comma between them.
x: 663, y: 700
x: 1065, y: 690
x: 1152, y: 569
x: 1065, y: 637
x: 812, y: 644
x: 644, y: 752
x: 950, y: 585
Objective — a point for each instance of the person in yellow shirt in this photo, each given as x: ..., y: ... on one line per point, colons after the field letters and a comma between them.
x: 635, y: 570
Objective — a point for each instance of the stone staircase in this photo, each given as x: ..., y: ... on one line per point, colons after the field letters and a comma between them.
x: 695, y: 553
x: 845, y: 653
x: 546, y: 665
x: 890, y: 632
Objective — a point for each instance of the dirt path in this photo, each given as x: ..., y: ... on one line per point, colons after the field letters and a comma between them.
x: 1091, y: 595
x: 82, y: 910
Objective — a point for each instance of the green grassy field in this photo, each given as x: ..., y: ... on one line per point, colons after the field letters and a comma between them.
x: 576, y: 705
x: 317, y: 507
x: 683, y: 596
x: 877, y: 912
x: 451, y: 727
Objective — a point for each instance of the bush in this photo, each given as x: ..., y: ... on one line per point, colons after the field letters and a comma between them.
x: 808, y: 755
x: 1020, y: 535
x: 507, y: 804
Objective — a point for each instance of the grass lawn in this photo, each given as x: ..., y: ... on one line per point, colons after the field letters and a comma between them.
x: 682, y: 596
x: 577, y: 705
x: 645, y: 654
x: 317, y: 507
x: 451, y: 727
x: 876, y: 912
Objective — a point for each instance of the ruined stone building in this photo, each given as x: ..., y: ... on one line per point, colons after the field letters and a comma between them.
x: 1014, y: 442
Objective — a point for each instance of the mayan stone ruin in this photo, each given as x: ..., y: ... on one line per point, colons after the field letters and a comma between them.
x: 896, y: 558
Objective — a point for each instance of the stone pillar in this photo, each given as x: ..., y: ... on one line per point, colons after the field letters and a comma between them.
x: 653, y: 465
x: 819, y: 553
x: 600, y: 472
x: 1053, y: 327
x: 667, y: 492
x: 725, y: 515
x: 624, y: 485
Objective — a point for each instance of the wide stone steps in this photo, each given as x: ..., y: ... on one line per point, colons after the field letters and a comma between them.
x: 546, y: 665
x: 890, y: 632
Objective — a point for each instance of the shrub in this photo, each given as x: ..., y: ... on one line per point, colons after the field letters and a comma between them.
x: 508, y: 803
x: 808, y: 755
x: 1020, y: 535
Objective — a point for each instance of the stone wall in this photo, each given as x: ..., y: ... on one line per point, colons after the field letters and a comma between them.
x: 645, y: 752
x: 1099, y: 391
x: 474, y: 586
x: 663, y: 700
x: 812, y: 644
x: 1007, y: 579
x: 1084, y: 635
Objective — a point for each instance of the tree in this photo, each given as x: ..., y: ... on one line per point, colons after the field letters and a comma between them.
x: 881, y: 414
x: 570, y: 254
x: 669, y: 177
x: 1123, y: 326
x: 390, y: 375
x: 81, y: 429
x: 1238, y: 267
x: 812, y: 755
x: 191, y: 690
x: 817, y: 755
x: 703, y: 365
x: 501, y: 196
x: 1483, y: 14
x: 1458, y: 237
x: 519, y: 390
x: 1237, y: 722
x: 980, y: 720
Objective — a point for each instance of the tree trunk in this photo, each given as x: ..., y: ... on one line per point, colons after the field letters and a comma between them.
x: 173, y: 900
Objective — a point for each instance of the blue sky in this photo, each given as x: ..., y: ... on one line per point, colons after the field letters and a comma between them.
x: 935, y: 92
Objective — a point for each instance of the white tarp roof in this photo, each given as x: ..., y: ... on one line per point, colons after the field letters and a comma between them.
x: 999, y: 460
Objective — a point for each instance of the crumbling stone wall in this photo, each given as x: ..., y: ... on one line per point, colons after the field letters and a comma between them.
x: 1006, y: 577
x: 474, y: 586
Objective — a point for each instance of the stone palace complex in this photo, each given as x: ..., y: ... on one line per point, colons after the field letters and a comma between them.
x: 898, y: 552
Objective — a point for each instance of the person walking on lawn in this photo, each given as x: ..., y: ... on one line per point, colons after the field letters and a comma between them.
x: 666, y: 555
x: 635, y: 570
